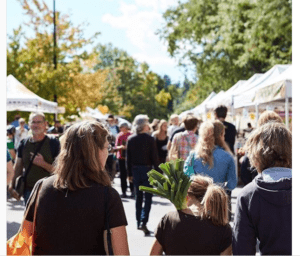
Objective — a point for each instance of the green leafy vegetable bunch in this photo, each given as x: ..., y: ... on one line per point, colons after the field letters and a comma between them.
x: 173, y: 185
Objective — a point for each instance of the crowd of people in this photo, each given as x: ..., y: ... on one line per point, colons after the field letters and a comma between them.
x: 73, y: 170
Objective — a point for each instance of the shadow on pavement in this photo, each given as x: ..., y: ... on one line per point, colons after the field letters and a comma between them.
x: 15, y: 205
x: 12, y: 229
x: 160, y: 203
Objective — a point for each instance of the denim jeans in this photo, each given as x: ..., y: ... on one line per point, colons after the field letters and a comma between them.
x: 26, y: 195
x: 123, y: 177
x: 140, y: 178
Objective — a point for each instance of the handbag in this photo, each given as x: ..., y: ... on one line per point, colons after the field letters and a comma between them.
x: 21, y: 243
x: 21, y: 180
x: 189, y: 169
x: 109, y: 245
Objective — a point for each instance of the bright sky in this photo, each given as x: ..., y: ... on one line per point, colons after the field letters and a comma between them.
x: 128, y: 24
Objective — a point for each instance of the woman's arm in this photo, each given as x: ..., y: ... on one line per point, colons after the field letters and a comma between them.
x: 118, y: 240
x: 9, y: 172
x: 156, y: 248
x: 227, y: 251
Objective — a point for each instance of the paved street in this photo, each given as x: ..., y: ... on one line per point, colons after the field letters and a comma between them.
x: 138, y: 243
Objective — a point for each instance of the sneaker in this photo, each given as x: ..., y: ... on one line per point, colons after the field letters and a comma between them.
x: 145, y: 229
x: 124, y: 196
x: 132, y: 196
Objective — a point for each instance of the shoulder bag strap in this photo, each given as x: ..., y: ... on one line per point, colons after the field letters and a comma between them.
x: 35, y: 198
x: 35, y: 153
x: 109, y: 245
x: 34, y: 219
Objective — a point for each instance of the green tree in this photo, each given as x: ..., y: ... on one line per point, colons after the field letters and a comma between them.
x: 228, y: 40
x: 33, y: 65
x: 141, y: 90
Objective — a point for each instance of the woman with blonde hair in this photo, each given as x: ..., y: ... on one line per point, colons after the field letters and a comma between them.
x: 74, y: 205
x: 212, y: 156
x: 161, y: 140
x: 200, y: 229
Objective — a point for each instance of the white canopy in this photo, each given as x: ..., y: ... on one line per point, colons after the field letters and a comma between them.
x: 215, y: 101
x: 19, y: 98
x: 93, y: 113
x: 245, y: 97
x: 276, y: 89
x: 200, y: 109
x: 226, y: 100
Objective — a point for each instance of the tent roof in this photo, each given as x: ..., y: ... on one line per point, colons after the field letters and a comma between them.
x: 276, y: 89
x: 244, y: 97
x: 20, y: 98
x: 227, y: 97
x: 215, y: 101
x: 248, y: 83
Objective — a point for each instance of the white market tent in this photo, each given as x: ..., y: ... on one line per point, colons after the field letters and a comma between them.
x: 19, y: 98
x: 92, y: 113
x: 185, y: 113
x: 96, y: 114
x: 275, y: 90
x: 215, y: 101
x: 245, y: 97
x: 227, y: 100
x: 200, y: 109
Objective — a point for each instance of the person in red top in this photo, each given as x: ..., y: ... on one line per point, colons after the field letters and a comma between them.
x: 121, y: 142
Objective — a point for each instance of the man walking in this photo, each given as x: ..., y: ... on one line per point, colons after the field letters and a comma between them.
x: 141, y: 157
x: 184, y: 142
x: 41, y: 161
x: 230, y: 130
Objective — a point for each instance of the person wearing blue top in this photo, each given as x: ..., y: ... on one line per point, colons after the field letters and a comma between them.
x: 212, y: 157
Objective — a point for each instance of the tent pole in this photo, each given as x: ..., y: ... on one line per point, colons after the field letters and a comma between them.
x: 256, y: 114
x: 287, y: 112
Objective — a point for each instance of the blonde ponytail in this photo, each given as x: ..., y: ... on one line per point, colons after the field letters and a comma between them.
x: 215, y: 205
x: 206, y: 143
x: 211, y: 200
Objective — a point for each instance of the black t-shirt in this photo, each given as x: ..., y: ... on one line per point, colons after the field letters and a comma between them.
x: 72, y: 222
x: 230, y: 133
x: 160, y: 144
x: 183, y: 234
x: 141, y: 150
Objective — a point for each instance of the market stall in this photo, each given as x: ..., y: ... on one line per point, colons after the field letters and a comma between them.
x: 20, y: 98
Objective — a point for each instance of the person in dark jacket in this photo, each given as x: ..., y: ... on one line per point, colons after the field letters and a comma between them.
x: 264, y: 206
x: 141, y: 157
x: 248, y: 173
x: 230, y: 130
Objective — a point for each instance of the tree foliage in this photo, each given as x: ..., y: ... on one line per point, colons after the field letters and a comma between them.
x: 228, y: 40
x: 106, y: 78
x: 33, y: 64
x: 141, y: 90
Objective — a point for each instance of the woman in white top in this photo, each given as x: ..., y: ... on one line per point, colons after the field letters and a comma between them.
x: 21, y: 132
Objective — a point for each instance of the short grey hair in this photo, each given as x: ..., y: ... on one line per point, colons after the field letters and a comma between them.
x: 139, y: 123
x: 34, y: 114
